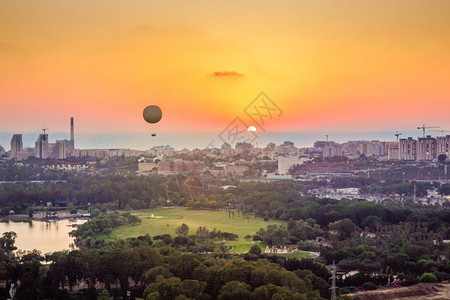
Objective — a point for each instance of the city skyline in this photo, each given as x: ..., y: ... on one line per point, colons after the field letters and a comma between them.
x: 427, y: 147
x: 347, y: 66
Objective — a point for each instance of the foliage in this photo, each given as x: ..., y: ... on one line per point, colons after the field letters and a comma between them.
x: 104, y: 223
x: 255, y: 250
x: 183, y: 230
x: 369, y: 286
x: 428, y: 277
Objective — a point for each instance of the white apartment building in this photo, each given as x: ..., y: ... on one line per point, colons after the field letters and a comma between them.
x: 287, y: 162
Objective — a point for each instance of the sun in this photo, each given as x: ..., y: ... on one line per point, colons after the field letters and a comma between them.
x: 251, y: 129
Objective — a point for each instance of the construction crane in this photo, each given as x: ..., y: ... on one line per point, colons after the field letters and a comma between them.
x: 442, y: 131
x: 423, y: 127
x: 397, y: 135
x: 44, y: 129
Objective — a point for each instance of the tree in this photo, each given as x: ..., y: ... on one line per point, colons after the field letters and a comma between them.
x: 344, y: 228
x: 183, y: 230
x: 8, y: 240
x: 444, y: 189
x: 234, y: 290
x: 255, y: 250
x: 441, y: 158
x: 428, y: 277
x: 164, y: 288
x: 70, y: 207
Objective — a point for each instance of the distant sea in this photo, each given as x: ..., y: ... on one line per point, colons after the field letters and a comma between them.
x: 192, y: 140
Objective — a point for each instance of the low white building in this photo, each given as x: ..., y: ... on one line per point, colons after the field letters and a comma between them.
x: 285, y: 163
x: 348, y: 191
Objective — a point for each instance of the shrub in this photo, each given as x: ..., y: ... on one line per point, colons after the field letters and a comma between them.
x: 348, y: 289
x: 255, y: 250
x: 441, y: 276
x: 369, y: 286
x: 428, y: 277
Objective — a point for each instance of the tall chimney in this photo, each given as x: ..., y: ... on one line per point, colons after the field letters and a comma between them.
x: 72, y: 139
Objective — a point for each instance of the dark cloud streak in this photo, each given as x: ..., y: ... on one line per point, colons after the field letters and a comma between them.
x: 226, y: 74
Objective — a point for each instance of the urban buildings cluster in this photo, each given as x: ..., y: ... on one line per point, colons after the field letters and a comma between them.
x: 229, y: 160
x: 408, y: 149
x: 43, y: 148
x: 61, y: 149
x: 423, y: 149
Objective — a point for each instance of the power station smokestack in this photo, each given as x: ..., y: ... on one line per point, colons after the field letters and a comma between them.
x: 72, y: 138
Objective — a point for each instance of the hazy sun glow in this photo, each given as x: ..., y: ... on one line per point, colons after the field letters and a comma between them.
x: 341, y: 65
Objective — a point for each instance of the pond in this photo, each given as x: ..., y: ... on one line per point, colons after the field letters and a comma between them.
x: 43, y: 236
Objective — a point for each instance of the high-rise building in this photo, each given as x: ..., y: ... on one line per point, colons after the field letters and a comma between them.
x: 443, y: 145
x: 41, y: 146
x: 60, y: 149
x: 408, y: 149
x: 322, y: 144
x: 393, y: 153
x: 16, y: 145
x: 426, y: 148
x: 331, y: 151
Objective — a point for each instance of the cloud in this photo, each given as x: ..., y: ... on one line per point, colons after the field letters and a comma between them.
x: 226, y: 74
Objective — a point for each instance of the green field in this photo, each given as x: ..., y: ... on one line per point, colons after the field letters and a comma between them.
x: 166, y: 220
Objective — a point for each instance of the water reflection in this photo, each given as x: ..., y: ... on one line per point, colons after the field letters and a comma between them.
x: 43, y: 236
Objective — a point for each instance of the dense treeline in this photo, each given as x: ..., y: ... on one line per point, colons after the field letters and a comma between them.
x: 159, y: 272
x: 118, y: 191
x: 406, y: 251
x: 284, y: 198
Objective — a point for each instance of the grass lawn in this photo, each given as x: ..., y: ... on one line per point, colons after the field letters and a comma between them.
x: 166, y: 220
x: 296, y: 254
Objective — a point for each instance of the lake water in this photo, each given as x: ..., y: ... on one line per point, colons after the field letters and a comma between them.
x: 43, y: 236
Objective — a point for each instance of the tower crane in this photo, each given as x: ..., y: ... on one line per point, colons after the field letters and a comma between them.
x: 397, y: 135
x: 423, y: 127
x: 44, y: 129
x: 442, y: 131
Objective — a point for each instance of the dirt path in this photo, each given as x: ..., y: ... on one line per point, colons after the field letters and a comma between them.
x: 421, y: 291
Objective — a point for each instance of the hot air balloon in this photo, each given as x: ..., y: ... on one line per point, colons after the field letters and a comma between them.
x: 152, y: 114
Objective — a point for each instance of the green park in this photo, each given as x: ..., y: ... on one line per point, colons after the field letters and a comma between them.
x: 167, y: 220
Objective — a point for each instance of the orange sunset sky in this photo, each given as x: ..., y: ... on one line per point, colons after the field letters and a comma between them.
x: 329, y: 65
